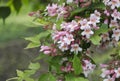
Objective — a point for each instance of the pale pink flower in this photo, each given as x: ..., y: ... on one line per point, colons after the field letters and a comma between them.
x: 117, y: 71
x: 56, y: 36
x: 75, y: 48
x: 98, y: 14
x: 116, y: 14
x: 68, y: 39
x: 45, y: 49
x: 84, y: 24
x: 105, y: 37
x: 106, y: 2
x: 105, y: 73
x: 52, y: 9
x: 88, y: 67
x: 107, y: 12
x: 63, y: 47
x: 94, y: 19
x: 61, y: 11
x: 109, y: 79
x: 113, y: 23
x: 116, y: 34
x: 87, y: 33
x: 114, y: 4
x: 70, y: 27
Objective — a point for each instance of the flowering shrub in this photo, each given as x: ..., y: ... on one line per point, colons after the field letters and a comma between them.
x: 71, y: 29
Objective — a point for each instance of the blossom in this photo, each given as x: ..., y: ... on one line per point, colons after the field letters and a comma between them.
x: 106, y: 2
x: 68, y: 38
x: 70, y: 27
x: 52, y: 9
x: 105, y: 73
x: 94, y: 19
x: 75, y: 48
x: 114, y: 3
x: 87, y: 33
x: 88, y: 67
x: 107, y: 12
x: 63, y: 47
x: 116, y: 34
x: 61, y: 11
x: 116, y: 14
x: 84, y: 24
x: 109, y: 79
x: 113, y: 23
x: 117, y: 71
x: 45, y: 49
x: 105, y: 37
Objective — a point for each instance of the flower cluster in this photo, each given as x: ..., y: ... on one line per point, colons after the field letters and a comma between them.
x: 57, y: 10
x: 88, y: 67
x: 70, y: 36
x: 112, y: 3
x: 110, y: 72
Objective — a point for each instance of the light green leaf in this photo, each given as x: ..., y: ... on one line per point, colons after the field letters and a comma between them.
x: 20, y: 73
x: 77, y: 65
x: 95, y: 39
x: 34, y: 66
x: 32, y: 45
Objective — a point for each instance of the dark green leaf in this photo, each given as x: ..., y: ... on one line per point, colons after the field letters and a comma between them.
x: 17, y: 5
x: 4, y: 12
x: 77, y: 65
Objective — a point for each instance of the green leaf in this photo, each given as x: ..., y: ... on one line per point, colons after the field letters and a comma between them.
x: 34, y: 66
x: 77, y: 65
x: 69, y: 77
x: 17, y: 5
x: 47, y: 77
x: 95, y: 39
x: 80, y: 79
x: 33, y: 45
x: 99, y: 6
x: 56, y: 63
x: 20, y: 73
x: 4, y: 12
x: 76, y: 11
x: 103, y: 29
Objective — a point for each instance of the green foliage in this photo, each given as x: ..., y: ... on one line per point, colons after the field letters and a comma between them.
x: 71, y: 77
x: 26, y: 75
x: 35, y: 40
x: 95, y: 39
x: 77, y: 65
x: 47, y: 77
